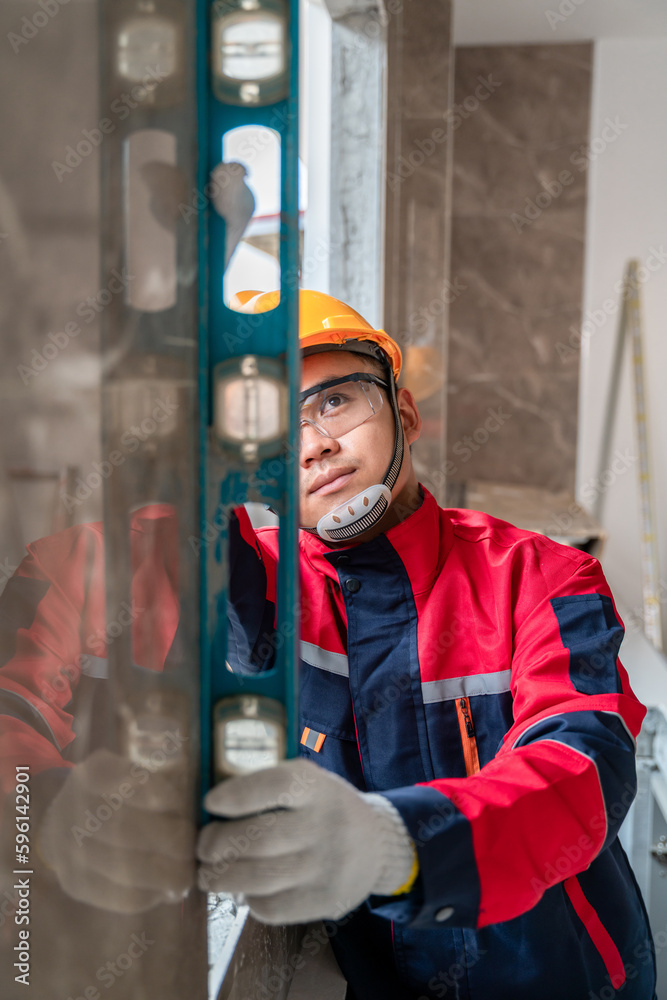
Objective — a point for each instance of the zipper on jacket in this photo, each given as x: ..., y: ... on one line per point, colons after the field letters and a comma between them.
x: 468, y: 738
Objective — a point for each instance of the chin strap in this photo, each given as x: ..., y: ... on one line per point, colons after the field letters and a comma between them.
x: 364, y: 510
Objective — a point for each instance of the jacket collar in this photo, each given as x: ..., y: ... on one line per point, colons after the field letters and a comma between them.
x: 422, y: 541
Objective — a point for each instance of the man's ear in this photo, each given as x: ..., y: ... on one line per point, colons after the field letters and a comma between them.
x: 410, y: 416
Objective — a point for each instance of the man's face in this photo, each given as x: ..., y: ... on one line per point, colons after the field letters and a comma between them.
x: 333, y: 470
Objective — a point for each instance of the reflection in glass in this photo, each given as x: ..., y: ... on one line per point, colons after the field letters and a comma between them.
x: 154, y: 188
x: 253, y: 230
x: 145, y: 42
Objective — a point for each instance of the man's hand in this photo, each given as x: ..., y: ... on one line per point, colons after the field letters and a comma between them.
x: 309, y: 846
x: 116, y: 837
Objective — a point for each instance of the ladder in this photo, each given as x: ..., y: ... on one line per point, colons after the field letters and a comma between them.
x: 630, y: 327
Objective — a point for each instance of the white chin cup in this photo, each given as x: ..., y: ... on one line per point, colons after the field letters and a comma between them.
x: 351, y: 510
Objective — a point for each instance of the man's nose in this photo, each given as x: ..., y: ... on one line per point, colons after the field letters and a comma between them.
x: 315, y: 445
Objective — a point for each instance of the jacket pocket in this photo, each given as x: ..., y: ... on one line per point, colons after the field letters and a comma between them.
x: 326, y: 732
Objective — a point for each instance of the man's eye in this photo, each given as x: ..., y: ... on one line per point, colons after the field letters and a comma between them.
x: 334, y: 402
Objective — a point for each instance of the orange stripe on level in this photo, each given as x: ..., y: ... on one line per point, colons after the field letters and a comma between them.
x: 305, y: 734
x: 599, y: 935
x: 468, y: 738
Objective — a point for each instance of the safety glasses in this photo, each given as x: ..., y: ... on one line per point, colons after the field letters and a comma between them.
x: 336, y: 407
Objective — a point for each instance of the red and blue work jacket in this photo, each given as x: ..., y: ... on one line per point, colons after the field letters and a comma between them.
x: 469, y: 671
x: 465, y: 669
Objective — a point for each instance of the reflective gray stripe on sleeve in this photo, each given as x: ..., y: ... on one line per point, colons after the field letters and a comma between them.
x: 18, y: 707
x: 94, y: 666
x: 335, y: 663
x: 466, y: 687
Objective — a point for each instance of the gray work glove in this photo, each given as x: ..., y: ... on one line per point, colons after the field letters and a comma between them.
x: 310, y: 846
x: 116, y: 837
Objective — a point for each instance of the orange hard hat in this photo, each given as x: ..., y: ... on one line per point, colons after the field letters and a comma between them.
x: 324, y: 321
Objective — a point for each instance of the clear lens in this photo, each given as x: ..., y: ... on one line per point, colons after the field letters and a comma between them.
x: 249, y: 734
x: 252, y: 48
x: 340, y: 408
x: 146, y: 44
x: 250, y: 407
x: 250, y: 744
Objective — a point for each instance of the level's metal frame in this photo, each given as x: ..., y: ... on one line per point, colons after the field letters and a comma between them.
x: 147, y: 355
x: 226, y: 484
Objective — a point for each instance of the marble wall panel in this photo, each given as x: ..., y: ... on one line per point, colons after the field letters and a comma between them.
x: 518, y: 230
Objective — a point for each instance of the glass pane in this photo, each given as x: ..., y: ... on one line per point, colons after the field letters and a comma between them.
x: 99, y: 643
x: 249, y: 201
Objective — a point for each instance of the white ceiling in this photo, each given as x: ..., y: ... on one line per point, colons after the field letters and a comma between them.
x: 496, y: 22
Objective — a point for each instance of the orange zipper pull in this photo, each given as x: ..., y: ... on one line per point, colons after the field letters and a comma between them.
x: 468, y: 738
x: 465, y: 708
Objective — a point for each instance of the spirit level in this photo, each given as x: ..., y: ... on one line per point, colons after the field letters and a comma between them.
x: 249, y: 373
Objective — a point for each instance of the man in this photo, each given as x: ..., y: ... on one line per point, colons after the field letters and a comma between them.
x: 460, y: 679
x: 468, y: 728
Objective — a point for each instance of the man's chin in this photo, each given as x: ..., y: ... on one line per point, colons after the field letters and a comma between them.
x: 313, y: 512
